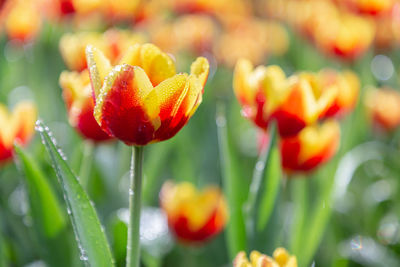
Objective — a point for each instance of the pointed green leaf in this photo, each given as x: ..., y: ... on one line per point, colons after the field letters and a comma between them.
x: 95, y: 250
x: 45, y: 206
x: 48, y: 215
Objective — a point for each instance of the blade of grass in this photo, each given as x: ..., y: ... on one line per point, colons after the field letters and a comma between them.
x: 92, y: 241
x: 232, y: 185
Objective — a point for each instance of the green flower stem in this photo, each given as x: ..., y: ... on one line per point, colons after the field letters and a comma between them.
x: 299, y: 186
x: 86, y: 165
x: 133, y: 248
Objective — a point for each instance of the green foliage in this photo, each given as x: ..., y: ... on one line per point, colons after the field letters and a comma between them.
x: 92, y: 241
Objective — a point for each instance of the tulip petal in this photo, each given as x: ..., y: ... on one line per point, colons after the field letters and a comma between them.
x: 128, y: 92
x: 24, y: 116
x: 183, y: 98
x: 317, y: 140
x: 131, y: 56
x: 161, y: 68
x: 5, y: 135
x: 243, y: 91
x: 313, y: 146
x: 170, y: 94
x: 99, y: 66
x: 158, y: 65
x: 194, y: 215
x: 200, y: 69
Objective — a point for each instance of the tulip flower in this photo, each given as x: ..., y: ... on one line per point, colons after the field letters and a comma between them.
x: 266, y: 94
x: 112, y: 43
x: 17, y: 126
x: 332, y: 29
x: 193, y: 216
x: 310, y: 148
x: 383, y: 106
x: 281, y: 258
x: 348, y: 36
x: 346, y: 84
x: 22, y: 20
x: 77, y: 95
x: 371, y: 7
x: 142, y: 100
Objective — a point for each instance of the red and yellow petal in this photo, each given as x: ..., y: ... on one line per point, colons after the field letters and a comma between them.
x: 371, y: 7
x: 244, y: 90
x: 157, y: 65
x: 16, y: 127
x: 23, y: 21
x: 24, y: 116
x: 347, y: 85
x: 87, y: 126
x: 280, y: 258
x: 80, y: 105
x: 127, y: 107
x: 99, y: 67
x: 383, y: 106
x: 185, y: 98
x: 193, y: 216
x: 313, y: 146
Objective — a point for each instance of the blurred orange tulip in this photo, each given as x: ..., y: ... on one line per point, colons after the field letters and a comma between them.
x: 266, y: 94
x: 371, y: 7
x: 313, y: 146
x: 112, y: 43
x: 334, y: 30
x: 383, y: 106
x: 193, y: 216
x: 16, y: 127
x: 22, y: 20
x: 142, y: 100
x: 78, y: 98
x: 348, y: 36
x: 281, y: 258
x: 346, y: 84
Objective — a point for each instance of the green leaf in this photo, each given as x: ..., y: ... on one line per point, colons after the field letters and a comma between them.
x: 45, y: 206
x: 233, y: 185
x: 48, y: 215
x: 95, y: 250
x: 264, y: 191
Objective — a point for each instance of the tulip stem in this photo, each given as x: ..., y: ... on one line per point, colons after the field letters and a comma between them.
x: 135, y: 192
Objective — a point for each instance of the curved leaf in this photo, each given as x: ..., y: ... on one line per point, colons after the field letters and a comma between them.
x: 92, y: 241
x: 45, y: 206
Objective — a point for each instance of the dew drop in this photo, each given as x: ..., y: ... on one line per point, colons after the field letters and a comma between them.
x: 260, y: 166
x: 38, y: 126
x: 221, y: 121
